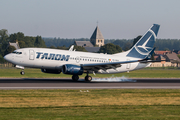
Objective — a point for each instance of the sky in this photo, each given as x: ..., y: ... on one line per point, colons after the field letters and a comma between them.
x: 117, y: 19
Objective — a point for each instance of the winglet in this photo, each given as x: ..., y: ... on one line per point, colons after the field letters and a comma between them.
x: 71, y: 48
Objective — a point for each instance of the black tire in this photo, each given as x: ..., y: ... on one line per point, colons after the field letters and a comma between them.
x: 22, y: 72
x: 88, y: 78
x: 75, y: 77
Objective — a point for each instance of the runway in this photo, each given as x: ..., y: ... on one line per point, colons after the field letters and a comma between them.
x: 49, y: 83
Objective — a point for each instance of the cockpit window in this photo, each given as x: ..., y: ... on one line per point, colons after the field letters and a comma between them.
x: 17, y: 52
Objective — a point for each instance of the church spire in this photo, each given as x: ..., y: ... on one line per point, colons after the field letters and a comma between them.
x: 97, y: 37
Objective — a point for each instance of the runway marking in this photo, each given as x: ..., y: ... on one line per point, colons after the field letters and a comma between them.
x: 133, y: 87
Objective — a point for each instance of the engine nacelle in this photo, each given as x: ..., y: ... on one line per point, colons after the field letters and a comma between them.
x: 72, y: 69
x: 51, y: 71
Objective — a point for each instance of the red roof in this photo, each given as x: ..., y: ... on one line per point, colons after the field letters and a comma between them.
x: 155, y: 57
x: 161, y: 52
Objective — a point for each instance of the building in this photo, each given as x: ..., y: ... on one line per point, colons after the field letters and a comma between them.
x: 168, y: 58
x: 83, y: 43
x: 16, y: 45
x: 173, y: 58
x: 96, y: 41
x: 97, y: 38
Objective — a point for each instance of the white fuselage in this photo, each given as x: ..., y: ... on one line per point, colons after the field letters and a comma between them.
x: 44, y: 58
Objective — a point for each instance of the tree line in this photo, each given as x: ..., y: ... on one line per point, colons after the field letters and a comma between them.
x: 24, y: 41
x: 125, y: 44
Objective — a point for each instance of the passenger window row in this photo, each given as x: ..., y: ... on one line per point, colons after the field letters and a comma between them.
x: 89, y: 60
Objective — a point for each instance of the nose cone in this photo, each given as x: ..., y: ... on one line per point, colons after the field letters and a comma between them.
x: 7, y: 57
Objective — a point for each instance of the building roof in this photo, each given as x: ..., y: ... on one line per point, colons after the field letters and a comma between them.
x: 97, y: 34
x: 161, y: 52
x: 83, y: 43
x: 172, y: 57
x: 92, y: 49
x: 16, y: 45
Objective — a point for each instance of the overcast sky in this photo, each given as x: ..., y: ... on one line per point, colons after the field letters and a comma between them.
x: 117, y: 19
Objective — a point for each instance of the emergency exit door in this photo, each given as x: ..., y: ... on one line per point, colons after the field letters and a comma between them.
x: 31, y: 54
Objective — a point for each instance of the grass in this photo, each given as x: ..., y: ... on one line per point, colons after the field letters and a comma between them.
x: 143, y: 73
x: 96, y: 104
x: 93, y: 112
x: 105, y: 104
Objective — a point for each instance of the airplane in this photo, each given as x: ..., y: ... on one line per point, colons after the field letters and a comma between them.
x: 76, y: 63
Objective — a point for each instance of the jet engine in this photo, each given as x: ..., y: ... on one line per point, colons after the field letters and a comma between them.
x: 51, y: 71
x: 72, y: 69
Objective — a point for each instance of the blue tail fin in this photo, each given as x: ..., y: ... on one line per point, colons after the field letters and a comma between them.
x: 145, y: 45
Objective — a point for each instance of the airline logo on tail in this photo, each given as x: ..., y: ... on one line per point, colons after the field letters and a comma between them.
x: 144, y: 49
x: 145, y: 45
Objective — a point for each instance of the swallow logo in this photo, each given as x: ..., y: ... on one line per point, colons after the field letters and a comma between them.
x: 146, y: 50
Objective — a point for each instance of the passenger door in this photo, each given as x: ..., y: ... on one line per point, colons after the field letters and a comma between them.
x: 31, y: 54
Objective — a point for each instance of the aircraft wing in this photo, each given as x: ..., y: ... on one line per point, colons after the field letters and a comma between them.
x: 105, y: 66
x: 113, y: 65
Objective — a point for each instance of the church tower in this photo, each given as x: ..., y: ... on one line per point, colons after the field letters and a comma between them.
x: 97, y: 38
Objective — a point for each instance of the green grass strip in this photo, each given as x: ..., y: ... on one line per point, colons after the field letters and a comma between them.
x: 134, y: 104
x: 143, y: 73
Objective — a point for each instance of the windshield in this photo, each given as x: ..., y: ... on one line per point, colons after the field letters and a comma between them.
x: 17, y: 52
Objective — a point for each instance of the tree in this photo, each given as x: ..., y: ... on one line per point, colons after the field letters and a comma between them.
x: 10, y: 49
x: 22, y: 44
x: 2, y: 60
x: 127, y: 46
x: 39, y: 42
x: 110, y: 49
x: 3, y: 39
x: 62, y: 48
x: 3, y: 35
x: 13, y: 37
x: 79, y: 48
x: 178, y: 56
x: 136, y: 39
x: 53, y: 47
x: 166, y: 49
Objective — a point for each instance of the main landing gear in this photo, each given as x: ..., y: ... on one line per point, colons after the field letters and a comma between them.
x: 22, y: 72
x: 87, y: 78
x: 75, y: 77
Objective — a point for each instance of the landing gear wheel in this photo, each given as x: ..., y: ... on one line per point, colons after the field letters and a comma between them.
x: 22, y: 72
x: 75, y: 77
x: 88, y: 78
